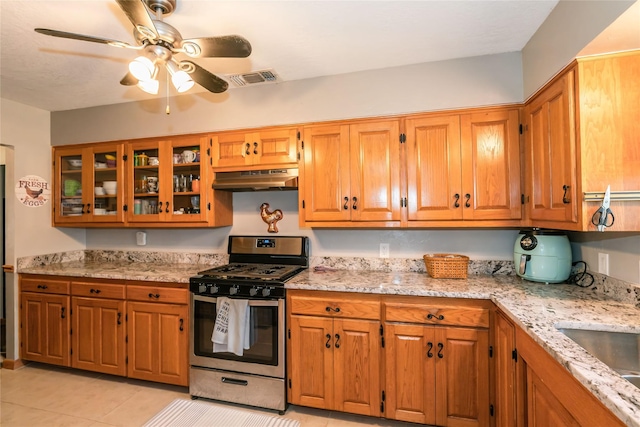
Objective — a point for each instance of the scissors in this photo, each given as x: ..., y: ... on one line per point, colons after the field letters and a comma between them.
x: 603, y: 217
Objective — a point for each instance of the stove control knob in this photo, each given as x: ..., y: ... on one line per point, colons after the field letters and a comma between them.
x: 213, y: 289
x: 202, y: 288
x: 233, y: 290
x: 266, y: 292
x: 253, y: 291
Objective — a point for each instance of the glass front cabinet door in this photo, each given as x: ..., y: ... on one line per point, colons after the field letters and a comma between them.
x: 89, y: 187
x: 167, y: 180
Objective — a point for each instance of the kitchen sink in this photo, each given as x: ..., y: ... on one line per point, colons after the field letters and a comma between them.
x: 618, y: 350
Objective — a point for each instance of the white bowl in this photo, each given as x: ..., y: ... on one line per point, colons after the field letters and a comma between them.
x: 99, y: 191
x: 99, y: 211
x: 75, y: 163
x: 100, y: 165
x: 76, y: 209
x: 110, y: 187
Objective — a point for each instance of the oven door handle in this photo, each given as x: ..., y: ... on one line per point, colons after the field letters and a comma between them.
x: 252, y: 302
x: 234, y: 381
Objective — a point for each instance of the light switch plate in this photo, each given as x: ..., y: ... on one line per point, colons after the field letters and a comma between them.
x: 384, y: 250
x: 603, y: 263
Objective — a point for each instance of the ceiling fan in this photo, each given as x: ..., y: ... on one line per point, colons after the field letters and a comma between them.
x: 159, y: 42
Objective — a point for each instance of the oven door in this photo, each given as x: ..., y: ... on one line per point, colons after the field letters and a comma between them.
x: 265, y: 355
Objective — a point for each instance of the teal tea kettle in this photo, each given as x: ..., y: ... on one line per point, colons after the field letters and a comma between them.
x: 542, y: 256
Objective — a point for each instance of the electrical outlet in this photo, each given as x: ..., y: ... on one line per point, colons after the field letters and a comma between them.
x: 384, y: 250
x: 141, y: 238
x: 603, y: 263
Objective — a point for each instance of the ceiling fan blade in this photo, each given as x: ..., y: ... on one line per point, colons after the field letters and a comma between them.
x: 209, y: 81
x: 224, y: 46
x: 139, y: 16
x: 65, y: 35
x: 129, y: 80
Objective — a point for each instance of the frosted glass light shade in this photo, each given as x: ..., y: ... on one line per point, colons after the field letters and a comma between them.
x: 150, y: 86
x: 182, y: 81
x: 142, y: 68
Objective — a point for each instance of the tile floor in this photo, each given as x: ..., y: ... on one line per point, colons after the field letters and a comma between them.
x: 42, y: 395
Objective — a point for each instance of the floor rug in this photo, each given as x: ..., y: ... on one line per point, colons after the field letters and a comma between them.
x: 192, y: 413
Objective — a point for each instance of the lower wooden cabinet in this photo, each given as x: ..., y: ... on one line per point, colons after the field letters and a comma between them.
x: 158, y: 330
x: 550, y: 395
x: 139, y: 330
x: 334, y: 354
x: 436, y: 374
x: 44, y: 328
x: 505, y: 371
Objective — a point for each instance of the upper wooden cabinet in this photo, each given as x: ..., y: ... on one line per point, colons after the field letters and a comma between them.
x: 155, y: 182
x: 271, y: 147
x: 78, y: 170
x: 168, y: 180
x: 582, y: 133
x: 351, y: 175
x: 551, y: 152
x: 464, y: 167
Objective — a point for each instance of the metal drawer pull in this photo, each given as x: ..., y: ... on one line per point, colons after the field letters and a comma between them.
x: 346, y: 203
x: 42, y: 286
x: 457, y: 203
x: 337, y: 309
x: 328, y: 337
x: 95, y: 291
x: 337, y: 340
x: 565, y: 199
x: 429, y: 354
x: 355, y: 203
x: 234, y: 381
x: 440, y: 347
x: 62, y: 314
x: 247, y: 152
x: 433, y: 316
x: 119, y: 318
x: 154, y: 295
x: 181, y: 325
x: 255, y: 149
x: 468, y: 197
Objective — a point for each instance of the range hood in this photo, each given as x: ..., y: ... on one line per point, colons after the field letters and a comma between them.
x: 258, y: 180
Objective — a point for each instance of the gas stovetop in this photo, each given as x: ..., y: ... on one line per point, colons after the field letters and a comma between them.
x: 266, y: 272
x: 258, y: 268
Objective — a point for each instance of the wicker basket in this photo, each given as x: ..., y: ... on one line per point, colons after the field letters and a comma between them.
x: 447, y: 266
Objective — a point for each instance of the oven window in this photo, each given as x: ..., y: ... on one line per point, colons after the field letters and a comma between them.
x: 264, y: 334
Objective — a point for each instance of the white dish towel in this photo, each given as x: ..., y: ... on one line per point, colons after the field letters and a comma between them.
x: 232, y: 329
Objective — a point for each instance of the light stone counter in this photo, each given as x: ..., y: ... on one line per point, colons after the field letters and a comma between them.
x: 537, y: 308
x: 608, y: 304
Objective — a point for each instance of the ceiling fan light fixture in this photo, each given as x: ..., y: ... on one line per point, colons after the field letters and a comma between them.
x: 142, y: 68
x: 180, y: 79
x: 150, y: 86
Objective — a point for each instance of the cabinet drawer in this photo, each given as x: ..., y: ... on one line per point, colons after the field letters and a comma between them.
x: 45, y: 285
x: 356, y: 306
x: 436, y: 315
x: 98, y: 290
x: 157, y: 294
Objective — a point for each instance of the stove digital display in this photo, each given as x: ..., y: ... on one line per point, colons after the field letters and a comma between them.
x: 266, y: 243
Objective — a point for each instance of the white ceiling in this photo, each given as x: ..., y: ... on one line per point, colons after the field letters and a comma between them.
x: 298, y: 39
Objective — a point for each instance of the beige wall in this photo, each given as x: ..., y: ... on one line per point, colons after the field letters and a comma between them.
x: 26, y: 132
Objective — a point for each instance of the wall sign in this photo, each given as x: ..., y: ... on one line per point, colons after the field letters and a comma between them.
x: 33, y: 191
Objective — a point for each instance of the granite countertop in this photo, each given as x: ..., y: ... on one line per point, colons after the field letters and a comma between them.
x: 537, y: 308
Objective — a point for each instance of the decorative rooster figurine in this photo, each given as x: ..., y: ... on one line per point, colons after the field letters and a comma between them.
x: 271, y: 218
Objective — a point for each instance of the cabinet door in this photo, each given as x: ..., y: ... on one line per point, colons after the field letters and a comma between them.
x: 311, y: 358
x: 434, y: 186
x: 71, y: 182
x: 98, y: 335
x: 275, y: 147
x: 551, y: 152
x: 375, y: 171
x: 146, y: 204
x: 231, y: 149
x: 44, y: 323
x: 505, y: 372
x: 106, y: 164
x: 462, y: 377
x: 491, y: 165
x: 543, y: 408
x: 410, y: 375
x: 158, y: 342
x: 356, y: 366
x: 327, y: 187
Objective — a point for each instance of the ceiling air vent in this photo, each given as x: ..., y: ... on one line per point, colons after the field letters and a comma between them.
x: 253, y: 78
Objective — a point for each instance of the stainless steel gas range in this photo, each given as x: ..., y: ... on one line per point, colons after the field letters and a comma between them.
x: 244, y: 300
